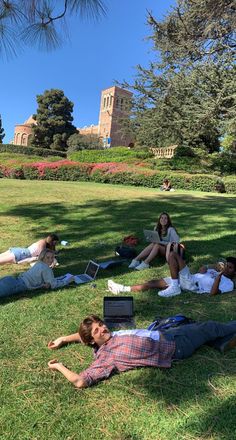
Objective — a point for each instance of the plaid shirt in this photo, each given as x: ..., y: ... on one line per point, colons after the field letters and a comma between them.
x: 126, y: 351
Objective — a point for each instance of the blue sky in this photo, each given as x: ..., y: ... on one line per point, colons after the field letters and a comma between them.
x: 95, y: 56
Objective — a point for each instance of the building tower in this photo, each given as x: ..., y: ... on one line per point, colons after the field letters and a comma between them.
x: 115, y: 106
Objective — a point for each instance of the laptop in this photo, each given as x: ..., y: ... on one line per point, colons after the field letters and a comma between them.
x: 89, y: 274
x: 118, y: 312
x: 151, y: 236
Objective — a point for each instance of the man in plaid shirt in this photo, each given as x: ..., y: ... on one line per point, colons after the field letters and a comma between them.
x: 128, y: 349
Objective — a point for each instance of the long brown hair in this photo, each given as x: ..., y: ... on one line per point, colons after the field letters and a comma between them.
x: 50, y: 239
x: 158, y: 227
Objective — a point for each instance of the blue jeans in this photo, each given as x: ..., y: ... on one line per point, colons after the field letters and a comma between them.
x: 11, y: 286
x: 191, y: 336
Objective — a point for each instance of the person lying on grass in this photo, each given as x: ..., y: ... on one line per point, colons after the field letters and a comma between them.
x: 40, y: 276
x: 31, y: 253
x: 205, y: 281
x: 128, y: 349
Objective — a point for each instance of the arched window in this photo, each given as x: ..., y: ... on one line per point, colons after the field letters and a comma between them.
x: 24, y: 139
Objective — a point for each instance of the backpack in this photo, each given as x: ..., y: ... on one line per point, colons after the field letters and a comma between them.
x: 130, y: 240
x: 170, y: 322
x: 125, y: 251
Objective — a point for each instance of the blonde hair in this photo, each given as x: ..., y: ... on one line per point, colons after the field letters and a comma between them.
x: 43, y: 254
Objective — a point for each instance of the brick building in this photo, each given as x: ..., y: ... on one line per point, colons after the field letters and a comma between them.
x: 114, y: 107
x: 23, y: 132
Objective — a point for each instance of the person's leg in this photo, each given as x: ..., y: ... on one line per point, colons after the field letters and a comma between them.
x: 11, y: 286
x: 158, y: 249
x: 176, y: 263
x: 153, y: 284
x: 7, y: 257
x: 192, y: 336
x: 136, y: 261
x: 145, y: 252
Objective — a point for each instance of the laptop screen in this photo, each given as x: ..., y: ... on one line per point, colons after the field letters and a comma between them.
x: 91, y: 269
x: 118, y: 307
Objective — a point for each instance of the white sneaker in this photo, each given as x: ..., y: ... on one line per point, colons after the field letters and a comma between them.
x: 115, y: 287
x: 134, y: 263
x: 170, y: 291
x: 142, y: 266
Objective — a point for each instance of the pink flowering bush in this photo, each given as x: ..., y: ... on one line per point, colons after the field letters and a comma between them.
x: 111, y: 172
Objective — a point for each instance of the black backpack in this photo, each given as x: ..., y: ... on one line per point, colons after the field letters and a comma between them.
x: 170, y: 322
x: 126, y: 252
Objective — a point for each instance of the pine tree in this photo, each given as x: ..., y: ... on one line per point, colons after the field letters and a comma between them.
x: 187, y: 96
x: 2, y: 134
x: 38, y: 22
x: 54, y: 120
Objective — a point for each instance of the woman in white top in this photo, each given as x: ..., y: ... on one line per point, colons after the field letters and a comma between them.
x: 31, y: 253
x: 40, y: 276
x: 167, y: 233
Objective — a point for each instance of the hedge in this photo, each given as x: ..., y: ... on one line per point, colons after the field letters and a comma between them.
x: 118, y: 173
x: 42, y: 152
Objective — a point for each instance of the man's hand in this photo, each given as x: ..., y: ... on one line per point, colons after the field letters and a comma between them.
x: 46, y: 286
x: 58, y: 343
x: 54, y: 364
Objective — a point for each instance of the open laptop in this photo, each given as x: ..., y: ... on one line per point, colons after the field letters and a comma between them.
x: 89, y: 274
x: 151, y: 236
x: 118, y: 312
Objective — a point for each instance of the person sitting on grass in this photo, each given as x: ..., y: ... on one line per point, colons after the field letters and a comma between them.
x: 31, y: 253
x: 167, y: 233
x: 40, y: 276
x: 166, y: 185
x: 128, y: 349
x: 206, y: 280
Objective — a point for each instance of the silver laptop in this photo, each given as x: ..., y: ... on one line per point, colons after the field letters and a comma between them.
x: 151, y: 236
x: 118, y: 312
x: 89, y: 274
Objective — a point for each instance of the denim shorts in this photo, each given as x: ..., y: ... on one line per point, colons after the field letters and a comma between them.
x: 20, y: 253
x: 11, y: 286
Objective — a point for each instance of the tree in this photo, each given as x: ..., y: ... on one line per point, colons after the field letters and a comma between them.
x: 2, y: 134
x: 53, y: 120
x: 37, y: 22
x: 78, y: 142
x: 195, y: 30
x: 188, y: 95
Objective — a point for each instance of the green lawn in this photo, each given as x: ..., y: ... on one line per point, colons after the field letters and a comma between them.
x: 194, y: 400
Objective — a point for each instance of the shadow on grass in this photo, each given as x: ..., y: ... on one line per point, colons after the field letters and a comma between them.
x: 206, y: 226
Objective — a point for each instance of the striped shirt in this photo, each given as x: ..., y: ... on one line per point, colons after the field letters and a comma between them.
x: 127, y: 350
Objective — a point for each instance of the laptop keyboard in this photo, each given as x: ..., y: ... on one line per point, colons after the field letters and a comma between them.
x: 84, y: 277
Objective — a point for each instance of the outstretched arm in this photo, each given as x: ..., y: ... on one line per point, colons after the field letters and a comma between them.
x: 72, y: 377
x: 63, y: 340
x: 215, y: 287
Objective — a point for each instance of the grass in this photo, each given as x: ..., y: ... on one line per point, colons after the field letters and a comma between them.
x: 14, y: 160
x: 194, y: 400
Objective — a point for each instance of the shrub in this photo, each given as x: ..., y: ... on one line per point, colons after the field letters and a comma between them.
x: 117, y: 154
x: 118, y: 173
x: 230, y: 185
x: 43, y: 152
x: 224, y: 162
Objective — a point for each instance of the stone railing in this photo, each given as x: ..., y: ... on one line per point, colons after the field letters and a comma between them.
x: 164, y: 152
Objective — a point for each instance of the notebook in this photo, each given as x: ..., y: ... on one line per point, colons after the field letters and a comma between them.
x: 89, y: 274
x: 118, y: 312
x: 151, y: 236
